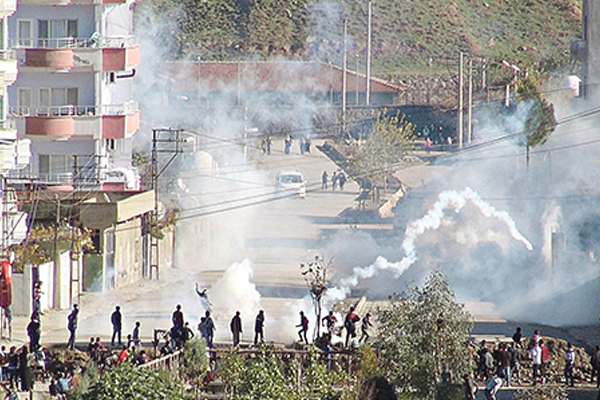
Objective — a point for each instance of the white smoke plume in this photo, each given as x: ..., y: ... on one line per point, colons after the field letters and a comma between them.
x: 449, y: 199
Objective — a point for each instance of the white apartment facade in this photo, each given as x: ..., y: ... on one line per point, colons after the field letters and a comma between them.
x: 74, y: 94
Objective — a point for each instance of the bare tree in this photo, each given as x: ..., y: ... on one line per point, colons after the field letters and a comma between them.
x: 315, y: 275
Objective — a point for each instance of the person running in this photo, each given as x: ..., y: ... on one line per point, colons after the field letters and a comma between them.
x: 366, y: 324
x: 116, y: 319
x: 259, y: 326
x: 329, y: 321
x: 349, y: 324
x: 72, y: 326
x: 303, y: 327
x: 236, y: 328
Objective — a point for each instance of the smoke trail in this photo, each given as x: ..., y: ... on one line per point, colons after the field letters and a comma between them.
x: 449, y: 199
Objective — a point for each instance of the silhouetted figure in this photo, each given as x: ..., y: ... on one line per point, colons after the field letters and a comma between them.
x: 303, y: 327
x: 116, y: 319
x: 236, y: 328
x: 72, y: 326
x: 259, y: 326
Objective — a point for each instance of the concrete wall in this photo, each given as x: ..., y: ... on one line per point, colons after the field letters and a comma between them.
x: 128, y: 253
x: 22, y: 287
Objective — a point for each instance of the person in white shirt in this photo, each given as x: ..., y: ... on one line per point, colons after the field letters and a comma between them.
x: 535, y: 352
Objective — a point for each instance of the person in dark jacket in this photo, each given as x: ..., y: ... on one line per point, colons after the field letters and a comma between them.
x: 259, y: 327
x: 236, y: 328
x: 116, y: 319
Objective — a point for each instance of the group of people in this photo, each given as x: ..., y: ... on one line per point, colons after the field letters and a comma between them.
x: 17, y: 368
x: 501, y: 363
x: 304, y: 144
x: 337, y: 179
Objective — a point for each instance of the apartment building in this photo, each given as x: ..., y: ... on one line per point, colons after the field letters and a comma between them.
x: 74, y: 94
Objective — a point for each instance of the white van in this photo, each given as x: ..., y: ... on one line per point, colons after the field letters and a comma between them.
x: 292, y: 181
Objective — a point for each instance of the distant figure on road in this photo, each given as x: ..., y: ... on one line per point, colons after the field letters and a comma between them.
x: 303, y: 327
x: 334, y: 180
x: 236, y: 328
x: 287, y: 144
x: 349, y: 324
x: 72, y: 326
x: 259, y: 326
x: 342, y: 179
x: 203, y: 298
x: 301, y: 145
x: 269, y: 145
x: 116, y: 319
x: 427, y: 145
x: 324, y: 179
x: 307, y: 142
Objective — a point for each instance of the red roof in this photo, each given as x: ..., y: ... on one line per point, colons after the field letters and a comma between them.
x: 267, y: 77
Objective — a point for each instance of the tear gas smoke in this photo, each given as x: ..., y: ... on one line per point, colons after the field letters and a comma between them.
x: 449, y: 199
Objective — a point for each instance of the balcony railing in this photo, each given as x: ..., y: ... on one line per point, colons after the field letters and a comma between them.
x: 76, y: 111
x: 96, y: 41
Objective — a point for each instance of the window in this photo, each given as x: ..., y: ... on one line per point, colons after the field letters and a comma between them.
x: 55, y: 167
x: 24, y: 33
x: 56, y: 33
x: 24, y: 101
x: 57, y: 100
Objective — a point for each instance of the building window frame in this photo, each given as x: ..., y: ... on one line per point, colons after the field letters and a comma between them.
x: 23, y: 41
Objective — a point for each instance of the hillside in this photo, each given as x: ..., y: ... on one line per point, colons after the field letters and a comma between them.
x: 406, y: 34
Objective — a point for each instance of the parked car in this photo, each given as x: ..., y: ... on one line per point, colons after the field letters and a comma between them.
x: 292, y: 181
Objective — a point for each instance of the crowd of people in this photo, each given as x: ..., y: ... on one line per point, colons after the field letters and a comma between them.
x: 500, y: 364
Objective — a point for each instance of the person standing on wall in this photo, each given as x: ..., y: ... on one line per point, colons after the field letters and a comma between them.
x: 259, y: 326
x: 236, y: 328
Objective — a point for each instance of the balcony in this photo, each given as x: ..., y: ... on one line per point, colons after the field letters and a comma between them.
x: 8, y: 69
x: 109, y: 121
x: 95, y: 53
x: 7, y: 8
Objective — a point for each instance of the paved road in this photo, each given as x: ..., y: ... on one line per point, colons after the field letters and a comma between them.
x: 274, y: 236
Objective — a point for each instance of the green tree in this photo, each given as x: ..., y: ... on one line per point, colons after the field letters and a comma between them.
x: 126, y: 382
x: 422, y: 335
x: 541, y: 121
x: 263, y: 379
x: 389, y: 143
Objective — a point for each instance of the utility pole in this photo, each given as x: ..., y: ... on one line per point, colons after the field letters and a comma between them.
x: 344, y: 78
x: 470, y: 101
x: 369, y: 34
x: 356, y: 81
x: 56, y: 271
x: 460, y: 100
x: 169, y: 140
